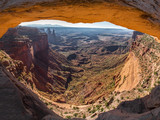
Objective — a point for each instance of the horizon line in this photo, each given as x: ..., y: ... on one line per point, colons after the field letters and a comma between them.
x: 75, y: 27
x: 103, y: 24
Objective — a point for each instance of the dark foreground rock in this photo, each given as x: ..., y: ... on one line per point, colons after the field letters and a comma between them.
x: 146, y: 108
x: 19, y: 103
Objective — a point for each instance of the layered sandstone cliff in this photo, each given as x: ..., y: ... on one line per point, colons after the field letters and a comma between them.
x: 17, y: 101
x: 146, y: 50
x: 47, y: 69
x: 51, y: 35
x: 129, y: 76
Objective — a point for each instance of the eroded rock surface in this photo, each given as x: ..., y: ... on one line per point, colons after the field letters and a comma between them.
x: 46, y: 70
x: 146, y: 50
x: 141, y: 15
x: 130, y: 74
x: 146, y: 108
x: 19, y: 103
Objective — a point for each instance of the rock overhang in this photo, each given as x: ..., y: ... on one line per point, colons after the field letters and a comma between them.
x: 140, y: 15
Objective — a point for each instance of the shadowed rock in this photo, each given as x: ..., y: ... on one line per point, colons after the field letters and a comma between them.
x: 146, y: 108
x: 18, y: 102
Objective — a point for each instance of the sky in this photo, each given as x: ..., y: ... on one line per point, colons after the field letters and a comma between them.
x: 67, y: 24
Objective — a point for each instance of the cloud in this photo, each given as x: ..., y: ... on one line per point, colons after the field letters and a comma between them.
x: 67, y: 24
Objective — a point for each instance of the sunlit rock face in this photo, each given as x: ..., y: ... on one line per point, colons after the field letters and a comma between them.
x: 146, y: 108
x: 146, y: 49
x: 21, y: 47
x: 141, y: 15
x: 31, y: 47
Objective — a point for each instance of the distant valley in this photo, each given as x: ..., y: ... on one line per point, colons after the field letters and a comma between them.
x: 79, y: 72
x: 92, y: 51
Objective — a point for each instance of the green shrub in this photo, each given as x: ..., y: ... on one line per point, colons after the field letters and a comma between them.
x: 140, y: 90
x: 75, y: 114
x: 68, y: 117
x: 156, y: 73
x: 98, y: 107
x: 138, y: 96
x: 19, y: 78
x: 84, y: 116
x: 93, y: 111
x: 75, y: 108
x: 122, y: 97
x: 65, y: 112
x: 89, y: 109
x: 46, y: 103
x: 106, y: 104
x: 102, y: 109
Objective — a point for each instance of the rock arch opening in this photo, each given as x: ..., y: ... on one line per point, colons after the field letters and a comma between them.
x: 138, y: 15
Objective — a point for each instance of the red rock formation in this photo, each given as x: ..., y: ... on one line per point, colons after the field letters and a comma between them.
x: 135, y: 35
x: 31, y: 47
x: 51, y: 35
x: 20, y: 103
x: 147, y: 108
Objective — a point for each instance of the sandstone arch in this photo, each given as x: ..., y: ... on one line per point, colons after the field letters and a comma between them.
x: 140, y: 15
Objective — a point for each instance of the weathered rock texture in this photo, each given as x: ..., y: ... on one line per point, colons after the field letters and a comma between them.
x: 48, y: 70
x: 130, y: 74
x: 51, y: 35
x: 18, y: 102
x: 146, y: 108
x: 147, y: 51
x: 140, y: 15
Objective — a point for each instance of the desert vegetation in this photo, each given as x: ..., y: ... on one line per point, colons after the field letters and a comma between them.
x: 84, y: 71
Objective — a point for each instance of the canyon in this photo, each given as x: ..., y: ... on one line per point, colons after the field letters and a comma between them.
x: 146, y: 107
x: 81, y: 73
x: 49, y: 71
x: 20, y: 80
x: 42, y: 68
x: 53, y: 76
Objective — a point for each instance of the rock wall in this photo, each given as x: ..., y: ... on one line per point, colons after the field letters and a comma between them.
x: 17, y: 101
x: 135, y: 35
x: 146, y: 108
x: 49, y: 70
x: 51, y: 35
x: 23, y: 44
x: 146, y: 50
x: 140, y: 15
x: 130, y: 75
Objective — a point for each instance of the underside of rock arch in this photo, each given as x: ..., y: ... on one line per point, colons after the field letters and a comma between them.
x: 140, y: 15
